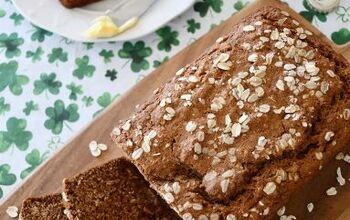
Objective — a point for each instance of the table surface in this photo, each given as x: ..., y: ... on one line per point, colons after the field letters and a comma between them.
x: 51, y: 87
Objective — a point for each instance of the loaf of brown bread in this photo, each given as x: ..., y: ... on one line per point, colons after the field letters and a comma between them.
x: 248, y: 123
x: 43, y: 208
x: 115, y: 190
x: 76, y: 3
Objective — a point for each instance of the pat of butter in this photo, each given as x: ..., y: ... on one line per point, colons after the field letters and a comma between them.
x: 104, y: 27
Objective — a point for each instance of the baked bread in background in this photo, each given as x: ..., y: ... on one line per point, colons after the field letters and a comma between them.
x: 76, y: 3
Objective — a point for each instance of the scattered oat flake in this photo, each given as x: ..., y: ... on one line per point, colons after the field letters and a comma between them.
x: 280, y: 85
x: 270, y: 188
x: 248, y: 28
x: 168, y: 197
x: 347, y: 158
x: 193, y: 79
x: 180, y: 71
x: 310, y: 207
x: 224, y: 185
x: 231, y: 217
x: 285, y: 13
x: 96, y: 149
x: 329, y: 135
x: 137, y: 154
x: 12, y: 211
x: 331, y: 73
x: 281, y: 211
x: 228, y: 173
x: 191, y: 126
x: 265, y: 108
x: 340, y: 177
x: 288, y: 217
x: 219, y: 40
x: 223, y: 66
x: 340, y: 156
x: 176, y: 187
x: 319, y: 155
x: 236, y: 130
x: 253, y: 57
x: 116, y: 131
x: 331, y: 191
x: 197, y: 206
x: 346, y: 114
x: 127, y: 125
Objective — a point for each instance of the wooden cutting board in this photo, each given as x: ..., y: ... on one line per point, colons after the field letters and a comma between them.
x: 75, y: 156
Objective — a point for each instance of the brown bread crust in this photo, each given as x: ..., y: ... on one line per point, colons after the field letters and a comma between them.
x: 239, y: 130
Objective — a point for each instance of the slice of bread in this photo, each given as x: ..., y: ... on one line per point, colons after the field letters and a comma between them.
x: 76, y: 3
x: 43, y: 208
x: 115, y: 190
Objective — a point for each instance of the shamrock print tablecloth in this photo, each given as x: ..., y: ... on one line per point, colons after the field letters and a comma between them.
x: 51, y: 87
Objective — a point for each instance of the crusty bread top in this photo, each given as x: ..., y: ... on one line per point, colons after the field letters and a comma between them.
x: 237, y: 131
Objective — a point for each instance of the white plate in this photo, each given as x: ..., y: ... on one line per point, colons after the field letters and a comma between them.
x: 72, y: 23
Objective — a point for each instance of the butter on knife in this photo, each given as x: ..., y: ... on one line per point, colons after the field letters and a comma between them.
x: 104, y: 27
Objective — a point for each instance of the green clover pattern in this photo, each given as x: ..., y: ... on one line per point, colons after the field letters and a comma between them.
x: 47, y: 82
x: 51, y: 87
x: 15, y: 135
x: 6, y: 177
x: 10, y: 78
x: 58, y: 115
x: 11, y: 44
x: 138, y: 53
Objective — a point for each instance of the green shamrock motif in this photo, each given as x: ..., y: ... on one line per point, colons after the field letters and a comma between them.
x: 9, y: 77
x: 239, y: 5
x: 204, y: 6
x: 107, y: 55
x: 11, y: 44
x: 17, y: 18
x: 167, y: 38
x: 104, y: 100
x: 35, y: 55
x: 83, y: 68
x: 192, y: 25
x: 341, y: 37
x: 4, y: 107
x: 34, y: 159
x: 16, y: 135
x: 47, y: 82
x: 157, y: 63
x: 112, y: 74
x: 40, y: 34
x: 6, y: 178
x: 2, y: 13
x: 30, y: 107
x: 57, y: 54
x: 137, y: 53
x: 58, y: 115
x: 88, y: 100
x: 310, y: 14
x: 75, y: 90
x: 344, y: 13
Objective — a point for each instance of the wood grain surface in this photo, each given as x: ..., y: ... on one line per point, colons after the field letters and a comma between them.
x: 75, y: 157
